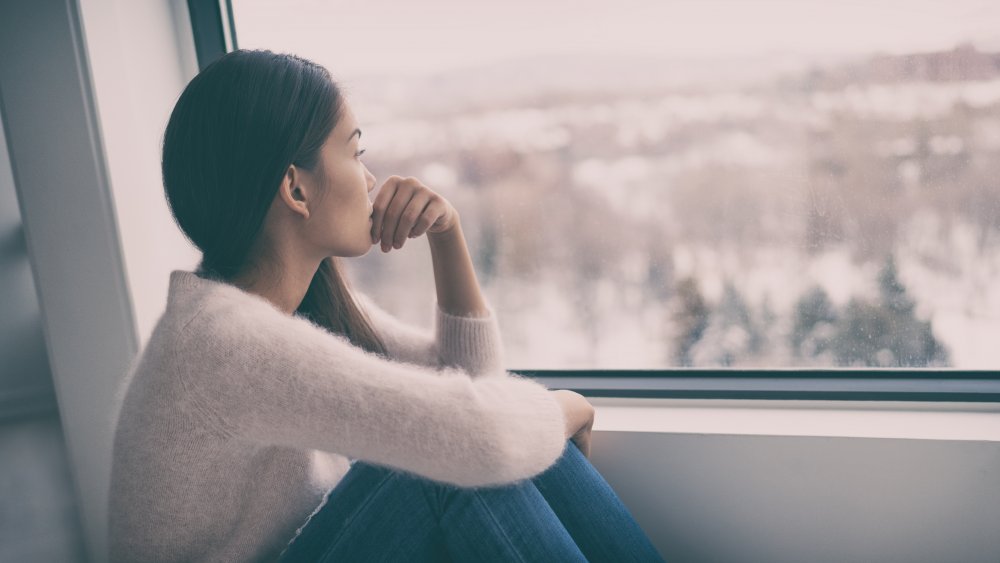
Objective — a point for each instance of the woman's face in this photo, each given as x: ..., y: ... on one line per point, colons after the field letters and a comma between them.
x: 341, y: 219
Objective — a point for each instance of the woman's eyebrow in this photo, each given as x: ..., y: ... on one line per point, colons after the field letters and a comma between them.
x: 356, y: 132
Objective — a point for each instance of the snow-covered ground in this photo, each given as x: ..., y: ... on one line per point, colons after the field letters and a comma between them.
x: 945, y: 267
x: 543, y: 329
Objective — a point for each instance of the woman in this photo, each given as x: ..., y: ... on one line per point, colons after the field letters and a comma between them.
x: 276, y: 414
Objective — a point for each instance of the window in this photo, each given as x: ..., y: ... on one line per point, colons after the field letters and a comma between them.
x: 649, y: 185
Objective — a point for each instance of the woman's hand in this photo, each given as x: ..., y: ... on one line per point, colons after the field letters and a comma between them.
x: 405, y: 208
x: 579, y: 415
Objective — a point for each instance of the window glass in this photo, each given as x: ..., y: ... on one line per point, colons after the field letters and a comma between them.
x: 649, y: 184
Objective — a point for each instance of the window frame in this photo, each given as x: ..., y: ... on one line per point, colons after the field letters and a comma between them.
x: 215, y: 35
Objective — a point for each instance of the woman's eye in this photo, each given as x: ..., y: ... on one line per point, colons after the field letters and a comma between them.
x: 360, y: 152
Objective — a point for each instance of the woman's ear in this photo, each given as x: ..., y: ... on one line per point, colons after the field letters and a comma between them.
x: 293, y: 193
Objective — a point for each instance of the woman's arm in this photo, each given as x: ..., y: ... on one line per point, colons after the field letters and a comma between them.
x: 467, y: 334
x: 472, y: 344
x: 405, y: 208
x: 458, y: 290
x: 255, y: 374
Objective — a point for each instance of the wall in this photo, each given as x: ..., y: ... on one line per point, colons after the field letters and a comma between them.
x: 793, y: 481
x: 85, y: 91
x: 25, y: 379
x: 141, y: 57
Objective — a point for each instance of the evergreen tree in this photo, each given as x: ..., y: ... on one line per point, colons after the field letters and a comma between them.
x: 911, y: 340
x: 891, y: 290
x: 736, y: 312
x: 488, y: 250
x: 731, y: 336
x: 860, y: 339
x: 887, y: 333
x: 813, y: 324
x: 767, y: 323
x: 690, y: 318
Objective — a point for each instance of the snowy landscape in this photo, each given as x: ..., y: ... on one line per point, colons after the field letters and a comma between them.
x: 846, y: 215
x: 648, y: 185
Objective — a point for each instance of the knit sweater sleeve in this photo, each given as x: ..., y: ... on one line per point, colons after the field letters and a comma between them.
x: 472, y: 344
x: 275, y: 379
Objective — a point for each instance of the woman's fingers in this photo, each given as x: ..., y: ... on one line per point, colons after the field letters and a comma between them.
x: 381, y: 203
x: 392, y: 206
x: 433, y: 211
x: 405, y: 208
x: 582, y: 440
x: 404, y: 193
x: 414, y: 211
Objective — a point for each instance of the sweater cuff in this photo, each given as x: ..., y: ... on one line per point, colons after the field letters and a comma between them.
x: 472, y: 344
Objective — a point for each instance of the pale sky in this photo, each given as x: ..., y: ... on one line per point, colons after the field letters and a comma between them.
x: 398, y: 36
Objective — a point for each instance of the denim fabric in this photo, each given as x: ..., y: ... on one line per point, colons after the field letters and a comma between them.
x: 567, y: 513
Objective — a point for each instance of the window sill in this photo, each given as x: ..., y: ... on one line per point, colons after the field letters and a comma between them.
x: 854, y: 419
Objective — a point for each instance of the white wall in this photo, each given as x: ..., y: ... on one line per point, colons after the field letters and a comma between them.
x: 57, y: 163
x: 86, y: 88
x: 25, y: 378
x: 141, y: 57
x: 818, y: 481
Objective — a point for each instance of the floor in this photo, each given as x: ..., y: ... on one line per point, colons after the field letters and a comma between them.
x: 38, y: 518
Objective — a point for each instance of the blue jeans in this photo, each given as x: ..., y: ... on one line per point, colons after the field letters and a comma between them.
x: 566, y: 513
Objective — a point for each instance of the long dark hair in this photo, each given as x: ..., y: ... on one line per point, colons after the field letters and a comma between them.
x: 236, y: 128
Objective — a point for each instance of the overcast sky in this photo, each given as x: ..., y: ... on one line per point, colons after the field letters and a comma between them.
x: 399, y: 36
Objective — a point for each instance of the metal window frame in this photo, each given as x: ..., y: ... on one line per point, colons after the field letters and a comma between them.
x: 215, y: 36
x: 934, y: 385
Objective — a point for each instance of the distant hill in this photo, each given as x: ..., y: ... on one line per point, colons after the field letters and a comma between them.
x: 561, y: 77
x: 963, y: 63
x: 558, y: 78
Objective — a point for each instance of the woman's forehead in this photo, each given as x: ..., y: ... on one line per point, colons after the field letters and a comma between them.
x: 348, y: 122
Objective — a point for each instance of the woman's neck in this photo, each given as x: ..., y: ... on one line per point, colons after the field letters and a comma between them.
x: 285, y: 285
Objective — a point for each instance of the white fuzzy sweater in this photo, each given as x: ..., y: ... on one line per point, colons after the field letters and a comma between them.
x: 236, y: 419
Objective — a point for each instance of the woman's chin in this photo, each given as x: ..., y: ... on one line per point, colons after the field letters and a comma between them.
x: 360, y: 250
x: 367, y: 247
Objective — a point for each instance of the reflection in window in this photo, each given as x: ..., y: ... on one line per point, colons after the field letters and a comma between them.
x: 650, y: 185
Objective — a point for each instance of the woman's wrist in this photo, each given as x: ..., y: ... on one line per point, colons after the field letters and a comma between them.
x: 450, y: 236
x: 458, y: 291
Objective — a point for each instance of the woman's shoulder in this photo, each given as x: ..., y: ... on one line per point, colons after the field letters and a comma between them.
x: 199, y: 308
x: 218, y: 334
